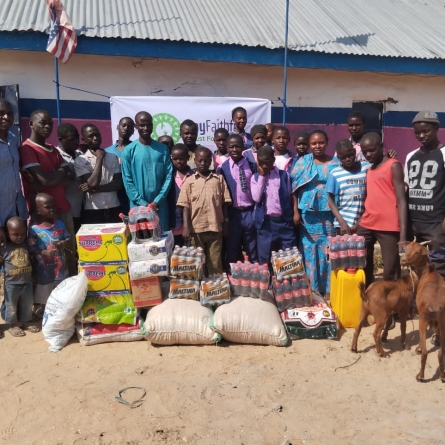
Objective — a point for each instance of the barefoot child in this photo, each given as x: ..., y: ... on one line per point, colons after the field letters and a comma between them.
x: 220, y: 155
x: 346, y: 187
x: 273, y: 211
x: 205, y: 198
x: 181, y: 171
x: 48, y: 239
x: 18, y: 295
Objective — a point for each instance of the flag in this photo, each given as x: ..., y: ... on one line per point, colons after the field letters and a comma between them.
x: 62, y: 39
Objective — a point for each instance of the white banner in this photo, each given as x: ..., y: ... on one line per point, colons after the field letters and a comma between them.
x: 209, y: 113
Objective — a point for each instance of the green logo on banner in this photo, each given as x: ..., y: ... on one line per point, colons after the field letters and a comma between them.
x: 165, y: 124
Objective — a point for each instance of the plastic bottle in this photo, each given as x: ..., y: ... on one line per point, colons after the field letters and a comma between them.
x: 333, y: 252
x: 264, y: 284
x: 361, y: 252
x: 342, y: 253
x: 287, y: 295
x: 279, y: 291
x: 296, y: 292
x: 245, y: 281
x: 352, y: 251
x: 236, y: 279
x: 305, y: 295
x: 255, y: 283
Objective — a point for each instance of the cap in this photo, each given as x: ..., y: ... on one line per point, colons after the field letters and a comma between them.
x: 426, y: 116
x: 258, y: 129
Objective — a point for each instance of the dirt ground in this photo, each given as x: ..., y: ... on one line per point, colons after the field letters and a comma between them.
x: 219, y: 395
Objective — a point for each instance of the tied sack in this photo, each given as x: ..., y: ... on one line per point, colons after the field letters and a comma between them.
x: 63, y: 304
x: 250, y: 320
x: 180, y: 322
x: 97, y: 333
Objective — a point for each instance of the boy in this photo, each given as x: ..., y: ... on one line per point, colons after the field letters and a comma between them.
x: 125, y: 130
x: 237, y: 172
x: 167, y: 141
x: 189, y: 135
x: 239, y: 118
x: 270, y: 127
x: 425, y: 175
x: 301, y: 143
x: 220, y: 154
x: 205, y: 198
x: 284, y: 159
x: 48, y: 238
x: 18, y: 295
x: 100, y: 175
x: 385, y: 216
x: 69, y: 143
x: 259, y: 139
x: 181, y: 171
x: 273, y: 210
x: 346, y: 187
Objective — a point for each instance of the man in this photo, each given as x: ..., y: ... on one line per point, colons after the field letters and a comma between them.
x: 147, y: 170
x: 425, y: 175
x: 11, y: 197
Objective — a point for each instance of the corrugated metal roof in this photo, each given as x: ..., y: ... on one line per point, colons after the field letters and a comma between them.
x: 392, y: 28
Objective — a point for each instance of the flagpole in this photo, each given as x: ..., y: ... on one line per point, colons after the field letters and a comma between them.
x: 56, y: 73
x: 286, y: 33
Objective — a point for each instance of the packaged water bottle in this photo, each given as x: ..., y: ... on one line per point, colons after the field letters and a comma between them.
x: 352, y: 251
x: 361, y: 252
x: 245, y: 281
x: 255, y: 283
x: 333, y: 252
x: 343, y: 253
x: 264, y: 284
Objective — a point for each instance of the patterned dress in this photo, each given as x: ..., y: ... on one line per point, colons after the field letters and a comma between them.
x: 309, y: 181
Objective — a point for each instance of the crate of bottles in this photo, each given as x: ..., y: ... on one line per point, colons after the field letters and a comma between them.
x: 347, y: 252
x: 250, y: 279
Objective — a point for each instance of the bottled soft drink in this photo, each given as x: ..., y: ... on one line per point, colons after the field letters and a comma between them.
x: 264, y: 284
x: 245, y: 281
x: 236, y: 279
x: 333, y: 253
x: 255, y: 283
x: 287, y: 295
x: 279, y: 295
x: 305, y: 293
x: 296, y: 300
x: 342, y: 253
x: 352, y: 251
x: 361, y: 252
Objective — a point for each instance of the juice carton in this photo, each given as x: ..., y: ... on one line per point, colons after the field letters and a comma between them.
x: 151, y: 250
x: 147, y: 292
x: 183, y: 288
x: 106, y: 277
x: 146, y: 269
x: 102, y: 242
x: 115, y: 308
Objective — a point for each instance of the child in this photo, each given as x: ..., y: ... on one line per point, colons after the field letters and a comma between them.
x: 205, y: 198
x: 18, y: 296
x: 48, y: 238
x: 259, y: 139
x: 125, y: 130
x: 220, y: 154
x: 284, y: 159
x: 270, y: 128
x: 346, y: 187
x: 181, y: 172
x: 189, y: 135
x: 167, y: 140
x: 237, y: 172
x: 385, y: 216
x: 239, y: 118
x: 301, y: 143
x: 270, y: 189
x: 101, y: 178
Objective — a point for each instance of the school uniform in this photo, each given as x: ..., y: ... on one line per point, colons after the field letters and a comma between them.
x: 273, y: 213
x: 286, y: 162
x: 242, y: 230
x: 247, y: 137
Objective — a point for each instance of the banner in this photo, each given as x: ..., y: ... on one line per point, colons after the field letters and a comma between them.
x: 209, y: 113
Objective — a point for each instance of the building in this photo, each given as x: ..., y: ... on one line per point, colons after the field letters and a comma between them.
x: 341, y: 54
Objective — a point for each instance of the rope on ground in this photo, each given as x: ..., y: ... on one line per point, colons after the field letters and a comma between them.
x: 347, y: 366
x: 135, y: 404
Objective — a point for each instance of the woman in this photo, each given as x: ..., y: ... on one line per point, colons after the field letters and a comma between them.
x: 311, y: 210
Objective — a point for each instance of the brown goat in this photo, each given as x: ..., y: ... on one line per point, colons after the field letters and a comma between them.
x: 382, y: 299
x: 430, y: 302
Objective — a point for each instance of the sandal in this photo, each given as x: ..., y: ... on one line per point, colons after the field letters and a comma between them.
x: 32, y: 329
x: 16, y: 331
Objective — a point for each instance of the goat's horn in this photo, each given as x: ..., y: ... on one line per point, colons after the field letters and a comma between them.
x: 424, y: 242
x: 414, y: 240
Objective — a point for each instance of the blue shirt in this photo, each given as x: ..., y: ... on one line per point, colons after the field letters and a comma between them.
x: 113, y: 149
x: 247, y: 137
x: 49, y: 268
x: 12, y: 201
x: 349, y: 190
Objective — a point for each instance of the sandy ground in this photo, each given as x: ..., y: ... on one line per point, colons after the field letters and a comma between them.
x: 226, y: 394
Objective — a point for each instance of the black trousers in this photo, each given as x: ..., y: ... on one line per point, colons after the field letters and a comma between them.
x: 101, y: 216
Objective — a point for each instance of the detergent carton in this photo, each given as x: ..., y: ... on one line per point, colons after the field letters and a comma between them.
x: 147, y: 292
x: 106, y: 277
x: 102, y: 242
x: 151, y: 250
x: 146, y: 269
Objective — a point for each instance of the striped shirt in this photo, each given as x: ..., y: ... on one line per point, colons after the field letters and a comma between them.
x: 349, y: 190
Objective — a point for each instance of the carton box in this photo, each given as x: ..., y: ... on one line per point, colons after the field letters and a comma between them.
x: 102, y: 242
x: 147, y: 292
x: 184, y: 289
x: 151, y: 250
x: 106, y: 277
x: 146, y: 269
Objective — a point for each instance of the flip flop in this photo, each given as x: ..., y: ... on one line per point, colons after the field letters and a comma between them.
x: 32, y: 329
x: 2, y: 334
x: 16, y: 331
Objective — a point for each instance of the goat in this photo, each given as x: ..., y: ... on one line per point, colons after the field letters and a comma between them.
x: 382, y: 299
x: 430, y: 302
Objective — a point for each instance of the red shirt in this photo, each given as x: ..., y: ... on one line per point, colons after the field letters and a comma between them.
x: 381, y: 211
x: 49, y: 158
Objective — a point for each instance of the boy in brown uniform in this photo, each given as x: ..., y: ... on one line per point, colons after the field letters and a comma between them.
x: 205, y: 198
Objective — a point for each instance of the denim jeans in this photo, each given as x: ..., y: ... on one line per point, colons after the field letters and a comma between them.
x: 18, y: 299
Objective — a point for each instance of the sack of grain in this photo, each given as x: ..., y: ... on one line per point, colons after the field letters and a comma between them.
x: 179, y: 322
x: 250, y: 320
